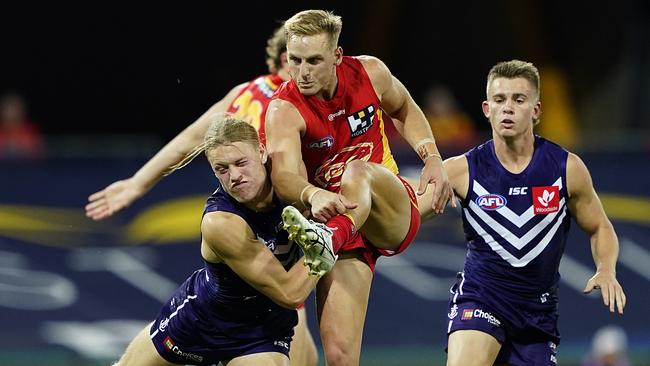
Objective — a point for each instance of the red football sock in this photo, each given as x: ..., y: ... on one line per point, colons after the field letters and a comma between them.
x: 342, y: 229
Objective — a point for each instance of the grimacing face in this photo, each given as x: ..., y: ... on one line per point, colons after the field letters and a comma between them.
x: 512, y: 105
x: 312, y: 64
x: 240, y: 169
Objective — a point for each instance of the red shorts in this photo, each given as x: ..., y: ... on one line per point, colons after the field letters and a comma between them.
x: 369, y: 253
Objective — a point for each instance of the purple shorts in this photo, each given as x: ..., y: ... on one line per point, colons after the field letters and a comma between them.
x: 178, y: 353
x: 191, y: 328
x: 514, y: 351
x: 527, y: 331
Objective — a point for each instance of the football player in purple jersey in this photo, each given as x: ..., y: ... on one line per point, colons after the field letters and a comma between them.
x: 518, y: 193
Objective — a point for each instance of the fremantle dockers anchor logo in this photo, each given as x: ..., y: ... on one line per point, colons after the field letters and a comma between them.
x: 454, y: 312
x: 163, y: 324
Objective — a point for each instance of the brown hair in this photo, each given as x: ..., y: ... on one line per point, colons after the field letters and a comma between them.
x: 515, y: 69
x: 275, y: 47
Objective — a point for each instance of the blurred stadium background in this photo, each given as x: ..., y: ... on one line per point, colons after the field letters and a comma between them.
x: 108, y: 86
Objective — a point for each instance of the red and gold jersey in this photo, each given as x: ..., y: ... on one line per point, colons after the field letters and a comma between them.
x: 348, y: 127
x: 251, y: 103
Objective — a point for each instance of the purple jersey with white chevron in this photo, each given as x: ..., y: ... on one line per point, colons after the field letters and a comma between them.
x: 516, y: 227
x: 215, y: 315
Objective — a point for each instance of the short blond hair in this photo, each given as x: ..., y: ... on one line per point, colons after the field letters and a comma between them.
x: 515, y: 69
x: 313, y: 22
x: 225, y: 129
x: 275, y: 47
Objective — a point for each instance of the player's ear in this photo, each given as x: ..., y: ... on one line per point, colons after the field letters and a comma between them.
x: 486, y: 108
x: 338, y: 53
x: 263, y: 154
x: 537, y: 110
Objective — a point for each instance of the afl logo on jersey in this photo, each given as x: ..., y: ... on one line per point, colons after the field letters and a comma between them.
x: 491, y: 202
x: 322, y: 144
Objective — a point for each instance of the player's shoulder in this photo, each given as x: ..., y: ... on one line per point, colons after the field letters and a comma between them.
x: 217, y: 223
x: 578, y: 178
x: 281, y: 112
x: 282, y: 106
x: 456, y: 165
x: 285, y: 95
x: 377, y: 71
x: 455, y: 162
x: 371, y: 63
x: 575, y: 164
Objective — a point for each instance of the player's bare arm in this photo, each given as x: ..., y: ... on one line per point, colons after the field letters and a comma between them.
x: 284, y: 127
x: 123, y: 193
x: 233, y: 242
x: 397, y: 101
x: 458, y: 172
x: 590, y: 216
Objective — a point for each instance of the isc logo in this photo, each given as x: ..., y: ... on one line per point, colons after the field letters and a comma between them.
x: 517, y: 191
x: 491, y: 201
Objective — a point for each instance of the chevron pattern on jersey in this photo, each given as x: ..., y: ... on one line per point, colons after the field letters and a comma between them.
x: 527, y: 240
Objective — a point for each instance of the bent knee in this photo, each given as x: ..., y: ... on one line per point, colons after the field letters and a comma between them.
x: 357, y: 170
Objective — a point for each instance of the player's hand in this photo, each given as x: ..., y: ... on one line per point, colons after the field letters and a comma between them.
x: 326, y: 204
x: 613, y: 295
x: 433, y: 173
x: 112, y: 199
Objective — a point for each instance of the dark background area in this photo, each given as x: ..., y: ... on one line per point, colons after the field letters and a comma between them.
x: 152, y: 69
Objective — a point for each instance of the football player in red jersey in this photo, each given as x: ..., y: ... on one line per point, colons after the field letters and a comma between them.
x: 329, y: 119
x: 247, y: 101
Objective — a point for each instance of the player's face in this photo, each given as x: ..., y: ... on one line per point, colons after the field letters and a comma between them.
x: 512, y: 106
x: 312, y: 64
x: 240, y: 169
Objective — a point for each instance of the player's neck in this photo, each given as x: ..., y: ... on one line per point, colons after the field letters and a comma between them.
x: 514, y: 153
